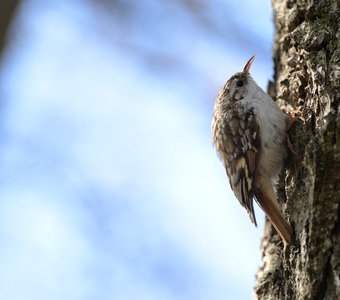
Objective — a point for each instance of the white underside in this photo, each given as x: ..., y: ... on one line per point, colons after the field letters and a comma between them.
x: 272, y: 122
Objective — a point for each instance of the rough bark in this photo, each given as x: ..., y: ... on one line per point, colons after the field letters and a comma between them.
x: 307, y: 78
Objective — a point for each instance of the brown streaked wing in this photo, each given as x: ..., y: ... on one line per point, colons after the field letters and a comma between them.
x: 241, y: 164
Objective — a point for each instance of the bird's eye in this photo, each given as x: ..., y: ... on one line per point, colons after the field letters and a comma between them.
x: 239, y: 83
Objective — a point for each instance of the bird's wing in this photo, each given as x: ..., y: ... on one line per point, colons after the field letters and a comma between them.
x: 241, y: 148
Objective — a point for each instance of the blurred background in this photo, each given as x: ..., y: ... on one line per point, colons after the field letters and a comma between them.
x: 110, y: 187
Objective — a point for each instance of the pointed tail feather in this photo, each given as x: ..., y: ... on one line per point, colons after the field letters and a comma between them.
x: 275, y: 217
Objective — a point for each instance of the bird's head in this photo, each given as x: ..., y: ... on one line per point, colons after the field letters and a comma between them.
x: 238, y: 85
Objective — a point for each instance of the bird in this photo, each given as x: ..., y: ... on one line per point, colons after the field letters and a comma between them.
x: 249, y: 133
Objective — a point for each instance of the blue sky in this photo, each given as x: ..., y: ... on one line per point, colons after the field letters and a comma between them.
x: 110, y: 187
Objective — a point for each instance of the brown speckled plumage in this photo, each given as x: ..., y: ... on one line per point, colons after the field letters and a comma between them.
x: 249, y: 133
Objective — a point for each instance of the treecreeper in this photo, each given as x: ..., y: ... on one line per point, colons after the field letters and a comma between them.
x: 250, y: 136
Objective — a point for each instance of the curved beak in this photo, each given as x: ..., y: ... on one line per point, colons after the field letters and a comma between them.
x: 248, y: 65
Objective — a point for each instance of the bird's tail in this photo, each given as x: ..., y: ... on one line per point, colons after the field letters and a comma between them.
x: 272, y: 210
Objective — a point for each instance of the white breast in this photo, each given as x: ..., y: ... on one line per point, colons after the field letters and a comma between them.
x: 272, y: 122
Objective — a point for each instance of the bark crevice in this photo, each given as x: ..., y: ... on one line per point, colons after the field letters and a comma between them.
x: 307, y: 78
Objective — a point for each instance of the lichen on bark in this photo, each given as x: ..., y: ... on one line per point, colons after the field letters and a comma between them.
x: 307, y: 78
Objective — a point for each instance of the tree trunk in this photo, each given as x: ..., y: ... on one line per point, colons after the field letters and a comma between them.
x: 307, y: 78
